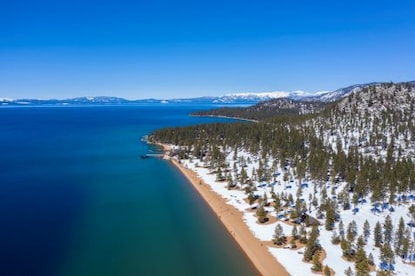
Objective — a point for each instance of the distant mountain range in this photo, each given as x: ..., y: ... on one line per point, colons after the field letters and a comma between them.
x: 231, y: 99
x: 238, y: 98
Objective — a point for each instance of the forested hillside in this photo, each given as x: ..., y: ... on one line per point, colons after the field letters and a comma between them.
x: 267, y: 109
x: 357, y: 153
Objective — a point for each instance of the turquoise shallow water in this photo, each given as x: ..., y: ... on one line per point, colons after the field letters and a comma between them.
x: 76, y: 199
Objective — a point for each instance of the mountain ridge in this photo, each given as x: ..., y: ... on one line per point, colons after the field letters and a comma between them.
x: 233, y: 98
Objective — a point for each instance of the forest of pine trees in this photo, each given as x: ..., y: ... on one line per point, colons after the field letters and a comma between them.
x: 297, y: 140
x: 348, y: 143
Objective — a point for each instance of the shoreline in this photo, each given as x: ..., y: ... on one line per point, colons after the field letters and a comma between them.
x: 232, y: 219
x: 226, y: 117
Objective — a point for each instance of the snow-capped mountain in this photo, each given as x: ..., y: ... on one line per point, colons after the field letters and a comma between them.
x: 251, y: 97
x: 234, y: 98
x: 242, y: 98
x: 101, y: 99
x: 5, y: 100
x: 341, y: 93
x: 73, y: 101
x: 248, y: 98
x: 265, y: 96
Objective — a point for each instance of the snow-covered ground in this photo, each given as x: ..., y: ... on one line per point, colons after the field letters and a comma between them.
x: 292, y: 259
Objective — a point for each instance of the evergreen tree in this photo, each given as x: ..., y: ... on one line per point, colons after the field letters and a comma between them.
x: 387, y: 229
x: 370, y: 259
x: 251, y: 199
x: 377, y: 234
x: 261, y: 214
x: 312, y: 245
x: 279, y: 237
x: 366, y: 230
x: 404, y: 250
x: 386, y: 254
x: 341, y: 229
x: 335, y: 238
x: 303, y: 234
x: 346, y: 247
x: 290, y: 199
x: 293, y: 244
x: 253, y: 174
x: 317, y: 266
x: 235, y: 154
x: 231, y: 183
x: 244, y: 176
x: 351, y: 231
x: 277, y: 203
x: 294, y: 232
x: 327, y: 271
x: 411, y: 210
x: 360, y: 242
x: 348, y: 272
x: 219, y: 176
x: 362, y: 264
x: 315, y: 201
x: 330, y: 215
x: 265, y: 199
x: 399, y: 235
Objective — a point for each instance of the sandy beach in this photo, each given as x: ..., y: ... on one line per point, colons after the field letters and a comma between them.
x: 233, y: 221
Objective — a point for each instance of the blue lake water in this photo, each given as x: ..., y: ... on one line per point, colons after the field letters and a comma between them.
x: 76, y: 199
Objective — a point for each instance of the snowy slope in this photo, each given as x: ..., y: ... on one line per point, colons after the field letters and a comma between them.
x: 292, y: 259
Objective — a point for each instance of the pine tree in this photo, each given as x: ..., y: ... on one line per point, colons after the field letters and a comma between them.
x: 341, y: 229
x: 294, y: 232
x: 327, y: 271
x: 330, y: 215
x: 348, y: 272
x: 231, y: 184
x: 303, y: 234
x: 346, y: 247
x: 388, y: 229
x: 277, y: 203
x: 253, y: 174
x: 351, y: 231
x: 399, y: 235
x: 377, y: 233
x: 312, y: 245
x: 261, y: 214
x: 219, y: 176
x: 315, y: 201
x: 290, y: 199
x: 360, y: 242
x: 293, y: 244
x: 317, y: 266
x: 279, y: 237
x: 366, y: 230
x: 362, y: 264
x: 386, y: 254
x: 265, y: 199
x: 411, y: 210
x: 403, y: 252
x: 235, y: 154
x: 244, y: 176
x: 335, y: 238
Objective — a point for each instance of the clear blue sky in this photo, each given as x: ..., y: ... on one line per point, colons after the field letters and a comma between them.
x: 168, y: 49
